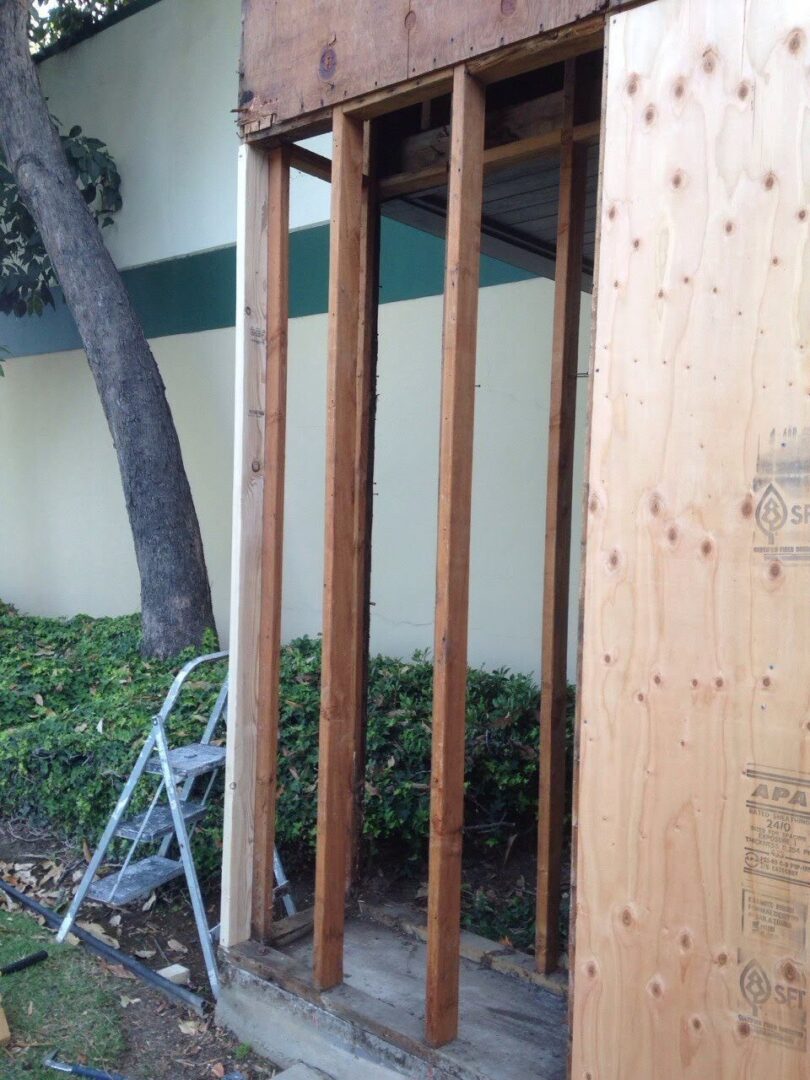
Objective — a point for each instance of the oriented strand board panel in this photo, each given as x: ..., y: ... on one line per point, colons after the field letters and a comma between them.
x: 300, y: 55
x: 693, y: 887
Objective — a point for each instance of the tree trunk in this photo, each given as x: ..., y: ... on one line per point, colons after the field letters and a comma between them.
x: 175, y: 594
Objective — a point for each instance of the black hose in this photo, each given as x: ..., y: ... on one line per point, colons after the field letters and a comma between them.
x: 193, y: 1001
x: 26, y: 962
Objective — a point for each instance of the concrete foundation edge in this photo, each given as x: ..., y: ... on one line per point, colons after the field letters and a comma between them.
x: 287, y: 1030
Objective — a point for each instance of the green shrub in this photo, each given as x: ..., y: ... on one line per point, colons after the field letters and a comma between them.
x: 76, y: 698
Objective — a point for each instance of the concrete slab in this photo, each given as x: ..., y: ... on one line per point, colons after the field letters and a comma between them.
x: 510, y: 1029
x: 302, y: 1072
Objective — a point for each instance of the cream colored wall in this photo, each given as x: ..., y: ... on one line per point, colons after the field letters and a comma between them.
x: 509, y: 476
x: 64, y: 537
x: 65, y: 545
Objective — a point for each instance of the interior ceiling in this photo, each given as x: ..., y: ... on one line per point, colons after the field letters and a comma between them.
x: 519, y: 223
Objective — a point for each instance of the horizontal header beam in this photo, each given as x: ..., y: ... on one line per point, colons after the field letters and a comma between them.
x: 364, y: 56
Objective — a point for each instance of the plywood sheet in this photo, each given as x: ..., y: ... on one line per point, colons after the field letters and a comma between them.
x: 694, y: 809
x: 300, y: 55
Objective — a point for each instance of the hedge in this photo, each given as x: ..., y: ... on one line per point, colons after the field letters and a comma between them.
x: 76, y: 699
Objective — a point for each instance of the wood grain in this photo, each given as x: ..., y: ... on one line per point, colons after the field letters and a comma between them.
x: 559, y: 491
x: 299, y: 56
x: 544, y: 144
x: 453, y: 553
x: 275, y: 442
x: 243, y: 718
x: 693, y: 893
x: 366, y: 399
x: 339, y: 681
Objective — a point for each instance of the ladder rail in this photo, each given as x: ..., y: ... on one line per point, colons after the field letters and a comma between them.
x: 137, y: 839
x: 210, y: 728
x: 184, y: 844
x: 178, y: 797
x: 107, y: 836
x: 170, y: 700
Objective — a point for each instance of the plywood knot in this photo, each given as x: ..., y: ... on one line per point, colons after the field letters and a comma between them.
x: 508, y: 7
x: 710, y: 59
x: 796, y: 40
x: 789, y: 972
x: 632, y: 85
x: 328, y: 63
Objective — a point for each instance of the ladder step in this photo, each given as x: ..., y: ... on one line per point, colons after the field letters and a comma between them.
x: 160, y: 822
x: 138, y: 881
x: 191, y: 760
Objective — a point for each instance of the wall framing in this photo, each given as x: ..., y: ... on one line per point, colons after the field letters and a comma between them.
x: 692, y: 632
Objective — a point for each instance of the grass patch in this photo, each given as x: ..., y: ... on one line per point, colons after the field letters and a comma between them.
x: 65, y: 1003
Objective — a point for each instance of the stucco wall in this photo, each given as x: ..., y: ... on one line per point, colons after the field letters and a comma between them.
x: 159, y: 88
x: 63, y: 531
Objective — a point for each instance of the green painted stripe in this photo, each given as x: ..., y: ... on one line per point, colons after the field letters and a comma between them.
x: 194, y: 293
x: 411, y: 266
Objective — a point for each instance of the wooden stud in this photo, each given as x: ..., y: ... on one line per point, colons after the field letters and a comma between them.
x: 559, y: 488
x: 339, y: 671
x: 251, y: 357
x: 495, y: 158
x: 364, y: 476
x: 307, y: 161
x: 275, y: 429
x: 452, y: 564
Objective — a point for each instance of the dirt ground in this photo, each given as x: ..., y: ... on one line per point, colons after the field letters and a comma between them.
x: 165, y: 1041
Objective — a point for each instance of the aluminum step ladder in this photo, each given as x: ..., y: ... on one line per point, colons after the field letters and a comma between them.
x: 166, y: 822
